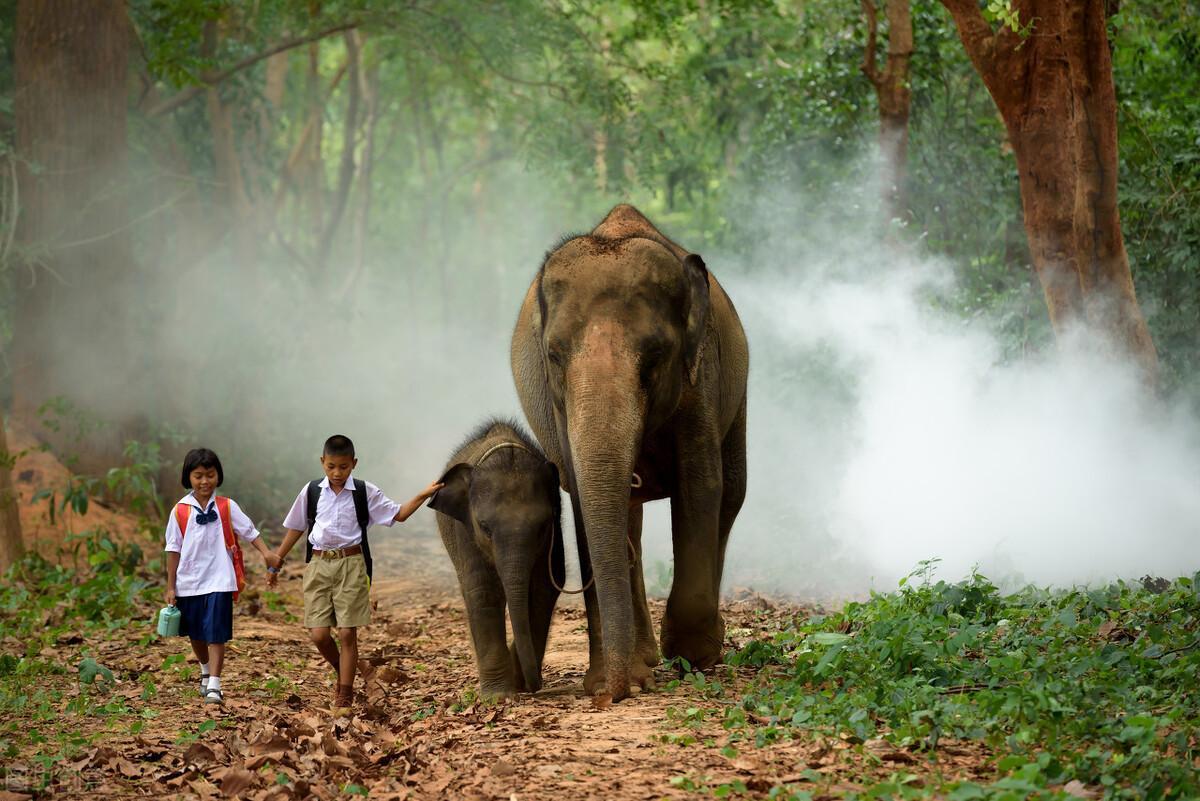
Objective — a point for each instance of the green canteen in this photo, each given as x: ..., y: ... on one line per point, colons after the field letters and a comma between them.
x: 168, y: 622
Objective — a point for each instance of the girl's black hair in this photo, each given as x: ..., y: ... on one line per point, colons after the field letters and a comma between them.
x: 201, y: 457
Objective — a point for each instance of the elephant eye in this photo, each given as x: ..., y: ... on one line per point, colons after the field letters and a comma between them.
x: 487, y: 531
x: 555, y: 354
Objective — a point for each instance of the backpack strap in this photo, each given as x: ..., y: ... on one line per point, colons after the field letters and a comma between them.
x: 310, y: 507
x: 231, y: 543
x: 183, y: 513
x: 222, y: 505
x: 363, y: 512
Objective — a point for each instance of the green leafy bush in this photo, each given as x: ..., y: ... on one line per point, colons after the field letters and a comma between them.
x: 1093, y: 685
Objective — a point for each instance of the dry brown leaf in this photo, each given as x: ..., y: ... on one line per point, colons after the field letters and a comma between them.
x: 204, y: 788
x: 272, y: 745
x: 128, y: 769
x: 235, y: 781
x: 503, y: 768
x: 331, y: 746
x: 199, y: 754
x: 1079, y: 790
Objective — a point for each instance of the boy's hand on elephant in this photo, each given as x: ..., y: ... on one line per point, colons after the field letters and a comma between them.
x: 429, y: 491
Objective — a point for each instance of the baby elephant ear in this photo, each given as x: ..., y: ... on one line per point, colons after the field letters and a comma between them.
x: 552, y: 475
x: 452, y: 499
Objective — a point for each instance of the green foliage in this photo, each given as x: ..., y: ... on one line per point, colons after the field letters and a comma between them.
x: 1156, y: 66
x: 1094, y: 685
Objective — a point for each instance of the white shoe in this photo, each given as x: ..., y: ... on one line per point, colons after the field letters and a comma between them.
x: 213, y: 696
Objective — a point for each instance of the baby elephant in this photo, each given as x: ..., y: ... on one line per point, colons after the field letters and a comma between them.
x: 499, y: 519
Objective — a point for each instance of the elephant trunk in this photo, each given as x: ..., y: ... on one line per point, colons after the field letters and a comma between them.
x: 515, y: 576
x: 604, y: 421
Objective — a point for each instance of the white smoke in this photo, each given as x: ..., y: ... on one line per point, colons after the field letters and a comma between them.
x: 885, y: 431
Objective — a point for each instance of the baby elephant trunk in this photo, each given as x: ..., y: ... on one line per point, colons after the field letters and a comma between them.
x: 516, y: 590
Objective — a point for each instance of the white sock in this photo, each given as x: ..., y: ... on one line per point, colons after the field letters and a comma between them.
x: 214, y: 682
x: 203, y: 669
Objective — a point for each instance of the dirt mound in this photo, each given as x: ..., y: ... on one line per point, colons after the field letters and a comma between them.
x: 46, y: 525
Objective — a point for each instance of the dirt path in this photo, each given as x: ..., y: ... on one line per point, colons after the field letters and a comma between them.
x: 418, y: 731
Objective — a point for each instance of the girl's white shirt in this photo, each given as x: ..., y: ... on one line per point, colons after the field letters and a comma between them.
x: 204, y: 563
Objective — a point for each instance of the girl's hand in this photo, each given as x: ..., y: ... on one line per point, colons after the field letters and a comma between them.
x: 272, y: 579
x: 271, y: 559
x: 431, y: 489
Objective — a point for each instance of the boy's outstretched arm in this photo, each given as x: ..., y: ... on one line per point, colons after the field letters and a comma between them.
x: 269, y: 557
x: 413, y: 504
x: 290, y: 537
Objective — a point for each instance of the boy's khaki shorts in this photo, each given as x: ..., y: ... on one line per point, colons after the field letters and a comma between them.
x: 337, y: 593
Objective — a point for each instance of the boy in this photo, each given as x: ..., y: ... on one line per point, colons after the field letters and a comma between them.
x: 337, y: 580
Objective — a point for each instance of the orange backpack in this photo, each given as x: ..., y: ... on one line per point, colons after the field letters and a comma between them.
x: 183, y: 513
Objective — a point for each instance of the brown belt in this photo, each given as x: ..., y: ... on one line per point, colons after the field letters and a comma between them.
x: 338, y: 553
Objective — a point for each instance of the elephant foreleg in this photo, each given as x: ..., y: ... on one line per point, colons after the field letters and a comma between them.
x: 733, y: 493
x: 595, y: 677
x: 645, y: 646
x: 692, y: 627
x: 483, y: 595
x: 543, y: 595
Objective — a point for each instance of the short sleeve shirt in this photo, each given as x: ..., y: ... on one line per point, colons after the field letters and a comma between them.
x: 204, y: 562
x: 336, y: 523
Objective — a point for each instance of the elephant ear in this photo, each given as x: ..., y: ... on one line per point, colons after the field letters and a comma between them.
x: 453, y: 499
x: 550, y: 471
x: 696, y: 274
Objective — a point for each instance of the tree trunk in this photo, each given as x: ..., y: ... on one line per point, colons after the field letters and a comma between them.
x: 71, y: 337
x: 11, y: 545
x: 895, y: 99
x: 1055, y: 92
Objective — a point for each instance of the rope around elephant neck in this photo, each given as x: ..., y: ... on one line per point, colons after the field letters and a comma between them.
x: 498, y: 446
x: 633, y: 562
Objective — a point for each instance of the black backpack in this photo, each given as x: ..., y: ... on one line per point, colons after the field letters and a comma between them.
x: 360, y: 510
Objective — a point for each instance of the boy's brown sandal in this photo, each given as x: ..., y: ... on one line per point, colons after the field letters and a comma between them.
x: 344, y: 699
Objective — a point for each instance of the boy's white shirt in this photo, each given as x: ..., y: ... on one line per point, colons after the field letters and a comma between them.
x: 336, y: 525
x: 204, y: 563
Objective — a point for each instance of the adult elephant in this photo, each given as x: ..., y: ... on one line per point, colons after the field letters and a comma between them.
x: 631, y: 363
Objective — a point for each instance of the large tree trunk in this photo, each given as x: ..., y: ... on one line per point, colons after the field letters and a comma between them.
x: 1055, y: 91
x: 70, y: 105
x: 894, y: 97
x: 11, y: 544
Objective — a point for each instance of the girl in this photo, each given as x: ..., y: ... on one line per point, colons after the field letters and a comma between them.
x: 201, y: 579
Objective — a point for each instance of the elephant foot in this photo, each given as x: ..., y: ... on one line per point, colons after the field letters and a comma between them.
x: 647, y: 654
x: 701, y: 646
x: 595, y: 678
x: 641, y: 677
x: 497, y: 692
x: 519, y: 676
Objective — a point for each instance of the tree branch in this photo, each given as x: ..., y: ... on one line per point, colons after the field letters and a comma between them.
x: 211, y: 79
x: 976, y: 34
